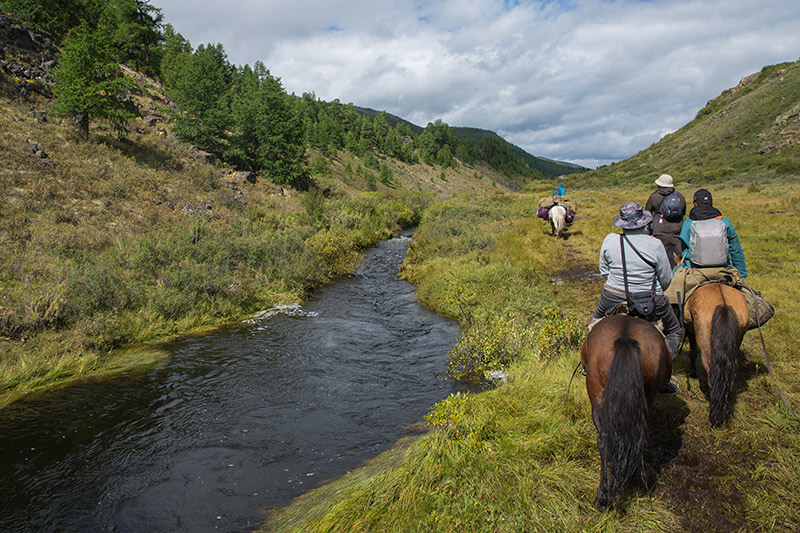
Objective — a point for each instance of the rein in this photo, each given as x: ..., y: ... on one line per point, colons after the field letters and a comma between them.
x: 566, y: 396
x: 766, y: 356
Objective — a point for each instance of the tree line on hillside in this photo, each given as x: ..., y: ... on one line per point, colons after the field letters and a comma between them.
x: 241, y: 114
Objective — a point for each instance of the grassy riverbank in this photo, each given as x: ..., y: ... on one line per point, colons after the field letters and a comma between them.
x: 519, y: 457
x: 111, y: 246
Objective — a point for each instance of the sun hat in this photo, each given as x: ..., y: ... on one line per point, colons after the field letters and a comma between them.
x: 703, y: 197
x: 665, y: 180
x: 632, y: 216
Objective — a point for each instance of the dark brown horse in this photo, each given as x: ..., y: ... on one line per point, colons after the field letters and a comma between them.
x: 716, y: 320
x: 626, y: 362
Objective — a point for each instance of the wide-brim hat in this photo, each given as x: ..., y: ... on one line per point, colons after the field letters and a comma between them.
x: 632, y: 216
x: 665, y: 180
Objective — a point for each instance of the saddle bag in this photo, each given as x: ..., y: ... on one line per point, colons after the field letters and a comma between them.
x: 570, y: 216
x: 641, y: 304
x: 758, y: 308
x: 542, y: 212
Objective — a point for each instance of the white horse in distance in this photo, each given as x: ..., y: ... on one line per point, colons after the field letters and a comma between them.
x: 558, y: 219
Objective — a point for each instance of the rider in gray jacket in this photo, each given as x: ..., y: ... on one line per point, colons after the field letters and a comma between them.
x: 634, y: 220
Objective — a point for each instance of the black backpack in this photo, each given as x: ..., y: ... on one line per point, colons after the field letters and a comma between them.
x: 674, y: 207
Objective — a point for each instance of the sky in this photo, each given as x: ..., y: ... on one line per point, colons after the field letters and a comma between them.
x: 585, y: 81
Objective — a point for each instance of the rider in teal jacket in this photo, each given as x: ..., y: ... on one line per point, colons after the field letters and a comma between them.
x: 703, y: 210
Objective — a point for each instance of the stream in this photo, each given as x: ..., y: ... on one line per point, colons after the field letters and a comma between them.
x: 235, y: 421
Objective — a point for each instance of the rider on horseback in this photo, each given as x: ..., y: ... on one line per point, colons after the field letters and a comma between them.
x: 645, y: 260
x: 704, y: 210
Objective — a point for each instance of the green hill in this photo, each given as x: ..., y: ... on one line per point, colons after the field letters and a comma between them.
x: 554, y: 168
x: 749, y: 132
x: 476, y: 135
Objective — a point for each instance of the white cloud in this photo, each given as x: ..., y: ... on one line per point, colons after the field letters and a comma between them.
x: 589, y: 81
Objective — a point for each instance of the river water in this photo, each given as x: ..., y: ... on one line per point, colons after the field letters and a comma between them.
x: 233, y: 422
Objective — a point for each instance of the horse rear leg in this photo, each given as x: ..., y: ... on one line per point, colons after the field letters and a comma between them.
x: 692, y: 355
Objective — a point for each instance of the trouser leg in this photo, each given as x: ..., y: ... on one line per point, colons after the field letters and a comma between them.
x: 606, y: 303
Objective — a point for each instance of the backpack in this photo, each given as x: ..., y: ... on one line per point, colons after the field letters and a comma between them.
x: 556, y: 192
x: 708, y: 243
x: 673, y: 207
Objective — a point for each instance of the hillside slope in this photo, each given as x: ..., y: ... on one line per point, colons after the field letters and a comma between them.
x: 748, y: 132
x: 549, y: 166
x: 554, y: 168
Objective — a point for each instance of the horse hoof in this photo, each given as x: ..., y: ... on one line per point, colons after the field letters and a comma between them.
x: 601, y: 506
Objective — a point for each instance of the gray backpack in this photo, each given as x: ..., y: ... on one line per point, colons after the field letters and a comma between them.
x: 708, y: 243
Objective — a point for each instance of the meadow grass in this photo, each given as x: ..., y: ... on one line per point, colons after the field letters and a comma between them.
x: 518, y: 457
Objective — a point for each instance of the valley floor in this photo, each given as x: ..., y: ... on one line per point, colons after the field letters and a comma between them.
x: 519, y: 457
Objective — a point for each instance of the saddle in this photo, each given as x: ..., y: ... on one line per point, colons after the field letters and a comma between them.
x: 622, y: 309
x: 686, y: 280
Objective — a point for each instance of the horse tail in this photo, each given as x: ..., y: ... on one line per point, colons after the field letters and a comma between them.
x: 558, y: 215
x: 724, y: 345
x: 622, y: 421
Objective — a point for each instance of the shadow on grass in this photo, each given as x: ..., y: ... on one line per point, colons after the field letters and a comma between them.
x: 144, y: 153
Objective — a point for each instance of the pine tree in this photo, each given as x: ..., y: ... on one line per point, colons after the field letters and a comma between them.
x: 136, y: 32
x: 55, y: 18
x: 198, y: 83
x: 88, y: 82
x: 267, y: 130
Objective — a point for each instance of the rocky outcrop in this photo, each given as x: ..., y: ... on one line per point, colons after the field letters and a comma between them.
x: 26, y: 58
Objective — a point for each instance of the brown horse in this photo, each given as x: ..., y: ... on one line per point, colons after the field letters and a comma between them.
x: 716, y: 319
x: 626, y: 362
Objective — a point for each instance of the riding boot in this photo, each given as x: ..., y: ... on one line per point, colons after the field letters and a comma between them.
x: 673, y: 345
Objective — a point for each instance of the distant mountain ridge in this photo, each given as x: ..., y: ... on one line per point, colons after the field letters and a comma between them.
x: 549, y: 166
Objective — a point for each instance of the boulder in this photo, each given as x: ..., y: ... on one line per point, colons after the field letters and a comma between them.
x: 244, y: 175
x: 205, y: 157
x: 196, y: 211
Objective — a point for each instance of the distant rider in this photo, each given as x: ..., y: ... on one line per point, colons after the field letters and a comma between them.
x: 559, y: 191
x: 666, y: 227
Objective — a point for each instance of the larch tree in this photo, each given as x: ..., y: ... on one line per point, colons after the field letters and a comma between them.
x: 88, y: 82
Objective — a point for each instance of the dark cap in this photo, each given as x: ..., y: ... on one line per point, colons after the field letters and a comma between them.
x: 702, y: 197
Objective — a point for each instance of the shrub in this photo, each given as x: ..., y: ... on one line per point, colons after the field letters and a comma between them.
x: 449, y: 416
x: 784, y: 165
x: 313, y: 202
x: 333, y: 247
x: 487, y: 346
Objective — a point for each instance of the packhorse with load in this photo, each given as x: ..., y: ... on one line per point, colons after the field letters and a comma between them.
x: 558, y: 211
